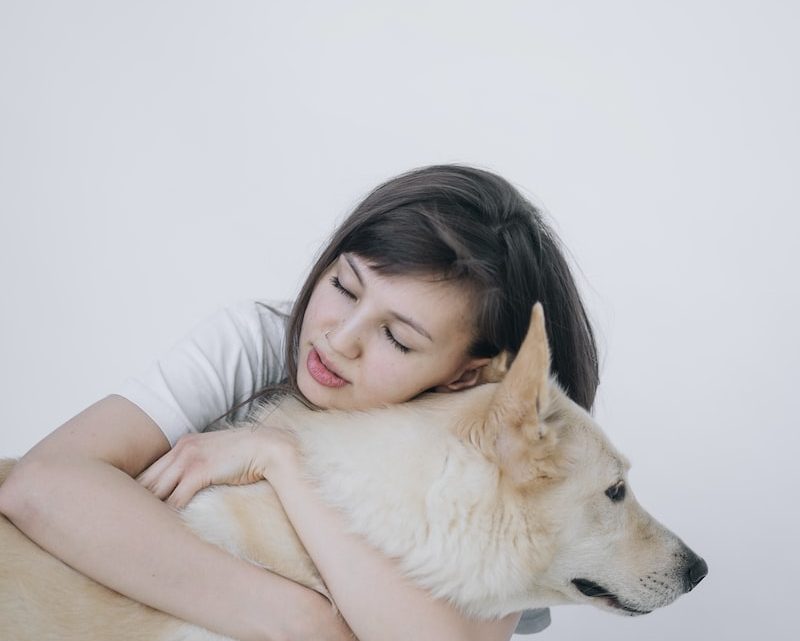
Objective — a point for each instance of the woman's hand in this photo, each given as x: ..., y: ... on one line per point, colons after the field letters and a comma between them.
x: 235, y: 456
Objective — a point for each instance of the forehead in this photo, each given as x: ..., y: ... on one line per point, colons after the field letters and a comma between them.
x: 615, y: 464
x: 592, y: 445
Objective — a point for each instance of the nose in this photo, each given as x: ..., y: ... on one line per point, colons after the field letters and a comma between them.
x: 345, y: 340
x: 695, y: 572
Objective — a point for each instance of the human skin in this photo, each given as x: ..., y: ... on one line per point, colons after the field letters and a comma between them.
x: 347, y: 325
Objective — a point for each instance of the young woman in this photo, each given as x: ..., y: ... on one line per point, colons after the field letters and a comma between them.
x: 433, y: 273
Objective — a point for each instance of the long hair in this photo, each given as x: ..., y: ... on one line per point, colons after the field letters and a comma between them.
x: 471, y: 226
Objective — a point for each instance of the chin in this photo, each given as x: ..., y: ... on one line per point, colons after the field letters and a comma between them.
x: 308, y: 387
x: 319, y: 395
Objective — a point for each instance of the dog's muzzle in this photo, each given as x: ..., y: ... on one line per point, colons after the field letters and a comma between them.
x: 695, y: 570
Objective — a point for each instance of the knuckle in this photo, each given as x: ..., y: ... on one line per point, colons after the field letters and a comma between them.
x: 190, y: 449
x: 187, y: 440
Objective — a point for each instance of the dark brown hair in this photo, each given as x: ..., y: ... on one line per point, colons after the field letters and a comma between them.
x: 472, y: 226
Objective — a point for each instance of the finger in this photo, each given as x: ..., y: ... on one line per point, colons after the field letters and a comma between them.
x: 185, y: 490
x: 162, y: 477
x: 167, y: 481
x: 149, y: 475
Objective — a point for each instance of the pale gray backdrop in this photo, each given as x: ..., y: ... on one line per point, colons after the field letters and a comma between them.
x: 160, y: 159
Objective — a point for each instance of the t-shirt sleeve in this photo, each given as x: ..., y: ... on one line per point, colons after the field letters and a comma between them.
x: 224, y: 360
x: 533, y: 621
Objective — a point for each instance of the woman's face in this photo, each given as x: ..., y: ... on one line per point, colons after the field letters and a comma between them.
x: 369, y: 340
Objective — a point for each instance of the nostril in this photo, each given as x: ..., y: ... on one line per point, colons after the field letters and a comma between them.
x: 697, y: 572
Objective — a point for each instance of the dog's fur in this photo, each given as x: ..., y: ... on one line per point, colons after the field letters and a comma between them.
x: 497, y: 498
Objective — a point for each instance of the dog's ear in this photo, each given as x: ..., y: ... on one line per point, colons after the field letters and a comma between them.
x: 515, y: 434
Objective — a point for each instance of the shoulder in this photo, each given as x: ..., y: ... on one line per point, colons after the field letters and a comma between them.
x: 259, y: 327
x: 273, y: 311
x: 260, y: 309
x: 256, y: 318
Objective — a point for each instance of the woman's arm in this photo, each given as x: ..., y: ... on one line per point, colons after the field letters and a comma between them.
x: 73, y: 494
x: 374, y: 598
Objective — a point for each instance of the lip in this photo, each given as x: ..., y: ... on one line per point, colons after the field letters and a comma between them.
x: 322, y: 371
x: 594, y: 590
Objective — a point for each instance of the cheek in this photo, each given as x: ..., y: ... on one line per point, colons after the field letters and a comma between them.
x: 377, y: 368
x: 321, y: 308
x: 389, y: 378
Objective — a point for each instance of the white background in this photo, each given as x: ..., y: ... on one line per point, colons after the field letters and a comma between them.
x: 160, y: 159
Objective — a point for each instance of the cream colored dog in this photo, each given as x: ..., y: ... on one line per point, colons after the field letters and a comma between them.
x: 501, y: 498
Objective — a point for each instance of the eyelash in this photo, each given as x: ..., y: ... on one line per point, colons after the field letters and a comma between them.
x: 394, y: 342
x: 338, y: 285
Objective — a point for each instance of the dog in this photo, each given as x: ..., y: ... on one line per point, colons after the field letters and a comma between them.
x: 504, y: 497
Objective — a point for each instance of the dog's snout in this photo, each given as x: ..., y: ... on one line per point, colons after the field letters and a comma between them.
x: 696, y: 572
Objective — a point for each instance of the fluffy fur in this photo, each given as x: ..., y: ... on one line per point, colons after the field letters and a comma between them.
x: 497, y: 499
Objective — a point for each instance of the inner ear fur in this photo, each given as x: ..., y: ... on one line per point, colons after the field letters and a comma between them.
x: 513, y: 432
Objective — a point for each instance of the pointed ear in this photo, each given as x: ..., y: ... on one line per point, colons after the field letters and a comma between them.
x: 525, y: 385
x: 515, y: 433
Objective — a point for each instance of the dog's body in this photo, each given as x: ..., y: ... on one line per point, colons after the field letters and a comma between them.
x: 501, y: 498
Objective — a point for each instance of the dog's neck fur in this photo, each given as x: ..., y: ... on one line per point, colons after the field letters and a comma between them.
x: 416, y: 506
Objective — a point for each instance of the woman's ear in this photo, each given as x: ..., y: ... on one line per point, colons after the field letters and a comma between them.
x: 469, y: 376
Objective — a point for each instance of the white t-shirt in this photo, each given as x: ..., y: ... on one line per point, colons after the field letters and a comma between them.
x: 220, y: 363
x: 223, y: 361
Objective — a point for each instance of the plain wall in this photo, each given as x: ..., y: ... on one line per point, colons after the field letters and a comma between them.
x: 161, y: 159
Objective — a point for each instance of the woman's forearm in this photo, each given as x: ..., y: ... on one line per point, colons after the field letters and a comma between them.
x: 375, y: 599
x: 103, y: 523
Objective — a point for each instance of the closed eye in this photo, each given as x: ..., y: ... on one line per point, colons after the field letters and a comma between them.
x: 394, y: 341
x: 346, y: 292
x: 338, y: 285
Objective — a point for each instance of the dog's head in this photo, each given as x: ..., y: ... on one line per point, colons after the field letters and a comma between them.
x: 560, y: 474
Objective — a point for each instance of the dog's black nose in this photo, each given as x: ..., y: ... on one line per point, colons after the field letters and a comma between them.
x: 696, y: 572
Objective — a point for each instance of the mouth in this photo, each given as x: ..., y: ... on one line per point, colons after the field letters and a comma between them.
x: 594, y: 590
x: 321, y: 370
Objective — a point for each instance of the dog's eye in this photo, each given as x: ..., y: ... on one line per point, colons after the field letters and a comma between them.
x: 616, y: 492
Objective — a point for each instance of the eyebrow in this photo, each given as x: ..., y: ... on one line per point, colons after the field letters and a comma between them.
x: 403, y: 319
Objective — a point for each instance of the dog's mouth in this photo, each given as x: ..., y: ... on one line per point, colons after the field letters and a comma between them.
x: 592, y: 589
